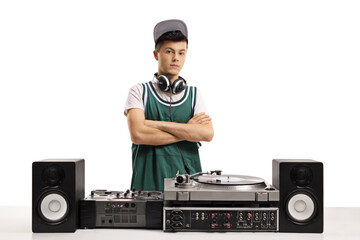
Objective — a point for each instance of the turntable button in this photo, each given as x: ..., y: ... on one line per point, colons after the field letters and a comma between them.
x: 262, y: 197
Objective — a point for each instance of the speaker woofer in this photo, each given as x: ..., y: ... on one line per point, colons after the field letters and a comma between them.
x: 301, y: 207
x: 53, y: 207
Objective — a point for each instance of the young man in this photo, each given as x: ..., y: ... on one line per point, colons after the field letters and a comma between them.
x: 166, y: 118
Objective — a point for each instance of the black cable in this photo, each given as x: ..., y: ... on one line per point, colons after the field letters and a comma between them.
x: 187, y: 169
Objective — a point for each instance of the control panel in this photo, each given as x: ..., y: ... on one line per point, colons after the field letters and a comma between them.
x: 220, y: 219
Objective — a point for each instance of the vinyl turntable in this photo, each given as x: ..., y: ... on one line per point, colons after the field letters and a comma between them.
x: 209, y: 201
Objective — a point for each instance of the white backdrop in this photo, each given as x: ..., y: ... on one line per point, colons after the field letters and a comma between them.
x: 280, y: 79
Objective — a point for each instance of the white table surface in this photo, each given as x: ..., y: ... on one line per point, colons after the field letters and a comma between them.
x: 15, y: 223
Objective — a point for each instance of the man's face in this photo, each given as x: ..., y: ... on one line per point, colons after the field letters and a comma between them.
x: 171, y: 57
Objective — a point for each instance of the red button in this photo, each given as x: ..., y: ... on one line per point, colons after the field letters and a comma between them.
x: 249, y: 215
x: 228, y: 215
x: 213, y: 215
x: 212, y: 225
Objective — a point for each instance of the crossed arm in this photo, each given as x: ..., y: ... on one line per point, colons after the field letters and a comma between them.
x: 147, y: 132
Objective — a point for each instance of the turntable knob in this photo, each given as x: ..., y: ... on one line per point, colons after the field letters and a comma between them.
x: 180, y: 179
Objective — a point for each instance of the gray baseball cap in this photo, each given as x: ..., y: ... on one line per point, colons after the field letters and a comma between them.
x: 168, y: 26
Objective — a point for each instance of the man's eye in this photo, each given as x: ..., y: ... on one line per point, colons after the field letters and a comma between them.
x: 168, y: 51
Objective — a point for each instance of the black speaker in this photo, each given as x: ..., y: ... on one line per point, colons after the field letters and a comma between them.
x: 300, y: 182
x: 57, y: 186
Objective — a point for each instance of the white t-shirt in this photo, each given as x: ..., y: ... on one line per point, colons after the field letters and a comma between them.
x: 134, y: 99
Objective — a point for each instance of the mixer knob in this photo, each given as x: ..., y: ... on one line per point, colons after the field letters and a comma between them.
x: 128, y: 191
x: 227, y: 225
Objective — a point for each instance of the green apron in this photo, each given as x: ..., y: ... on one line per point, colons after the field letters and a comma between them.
x: 151, y: 164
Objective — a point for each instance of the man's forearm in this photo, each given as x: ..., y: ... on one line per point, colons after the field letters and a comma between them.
x: 188, y: 132
x: 156, y: 137
x: 144, y: 135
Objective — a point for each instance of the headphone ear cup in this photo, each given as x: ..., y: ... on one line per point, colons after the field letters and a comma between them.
x: 164, y: 83
x: 178, y: 86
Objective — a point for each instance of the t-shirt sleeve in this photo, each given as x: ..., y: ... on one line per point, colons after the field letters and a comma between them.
x: 134, y: 99
x: 199, y: 103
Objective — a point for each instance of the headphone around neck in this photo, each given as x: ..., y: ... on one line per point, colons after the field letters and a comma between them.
x: 165, y: 85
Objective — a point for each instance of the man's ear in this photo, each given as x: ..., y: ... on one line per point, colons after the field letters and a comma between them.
x: 156, y: 55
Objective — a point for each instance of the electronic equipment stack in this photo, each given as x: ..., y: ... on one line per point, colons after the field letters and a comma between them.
x: 204, y: 201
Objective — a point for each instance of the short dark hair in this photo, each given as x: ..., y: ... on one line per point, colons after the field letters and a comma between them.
x: 176, y: 36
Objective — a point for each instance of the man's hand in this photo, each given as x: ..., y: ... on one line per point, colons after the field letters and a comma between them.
x: 200, y: 118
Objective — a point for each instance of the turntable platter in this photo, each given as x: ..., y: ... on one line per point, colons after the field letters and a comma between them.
x: 233, y: 180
